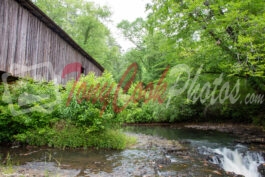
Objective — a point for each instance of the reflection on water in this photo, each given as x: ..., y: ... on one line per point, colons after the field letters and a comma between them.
x: 132, y: 162
x: 194, y: 136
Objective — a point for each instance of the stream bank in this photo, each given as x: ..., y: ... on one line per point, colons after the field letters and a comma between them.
x: 246, y: 134
x: 159, y: 151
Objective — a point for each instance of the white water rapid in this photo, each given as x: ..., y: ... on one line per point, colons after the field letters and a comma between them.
x: 242, y: 163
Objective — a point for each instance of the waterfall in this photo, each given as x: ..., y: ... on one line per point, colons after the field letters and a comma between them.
x: 243, y: 163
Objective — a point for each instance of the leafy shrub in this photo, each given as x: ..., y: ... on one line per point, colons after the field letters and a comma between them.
x: 36, y: 137
x: 88, y: 102
x: 26, y: 105
x: 146, y: 113
x: 38, y: 114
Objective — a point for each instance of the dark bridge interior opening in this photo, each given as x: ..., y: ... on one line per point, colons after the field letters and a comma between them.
x: 83, y: 70
x: 8, y: 79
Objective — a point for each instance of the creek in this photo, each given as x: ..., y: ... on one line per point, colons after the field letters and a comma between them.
x: 199, y: 153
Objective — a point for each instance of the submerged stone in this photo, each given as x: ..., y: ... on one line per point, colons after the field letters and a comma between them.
x: 261, y: 169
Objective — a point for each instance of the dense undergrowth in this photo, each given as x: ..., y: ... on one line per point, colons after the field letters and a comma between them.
x: 38, y: 113
x: 90, y: 112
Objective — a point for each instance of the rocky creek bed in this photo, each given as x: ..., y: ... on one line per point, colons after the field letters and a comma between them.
x: 150, y: 156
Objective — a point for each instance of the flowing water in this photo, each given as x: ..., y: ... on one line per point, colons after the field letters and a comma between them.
x: 244, y: 163
x: 206, y: 153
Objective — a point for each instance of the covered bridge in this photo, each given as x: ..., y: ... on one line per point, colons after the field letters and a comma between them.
x: 32, y: 45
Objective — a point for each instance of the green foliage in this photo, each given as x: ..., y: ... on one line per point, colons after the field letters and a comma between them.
x: 136, y: 114
x: 26, y: 105
x: 32, y: 113
x: 110, y: 139
x: 147, y: 53
x: 65, y: 134
x: 89, y: 102
x: 224, y: 37
x: 84, y: 22
x: 36, y: 137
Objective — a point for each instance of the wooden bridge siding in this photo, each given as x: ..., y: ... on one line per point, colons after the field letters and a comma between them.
x: 3, y: 36
x: 28, y: 41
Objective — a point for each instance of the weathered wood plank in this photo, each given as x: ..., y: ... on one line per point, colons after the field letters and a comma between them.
x: 4, y: 34
x: 27, y: 40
